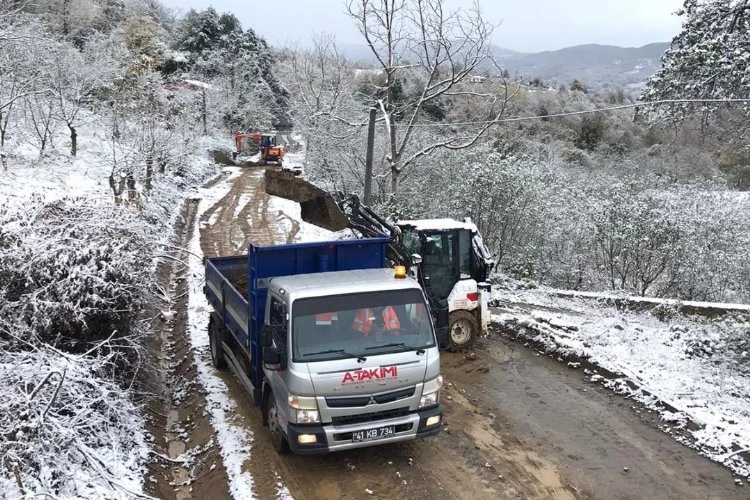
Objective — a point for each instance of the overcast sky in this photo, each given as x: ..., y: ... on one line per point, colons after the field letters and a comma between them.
x: 527, y: 25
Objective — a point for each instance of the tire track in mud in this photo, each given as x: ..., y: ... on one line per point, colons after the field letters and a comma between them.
x: 607, y: 445
x: 187, y: 463
x: 468, y: 460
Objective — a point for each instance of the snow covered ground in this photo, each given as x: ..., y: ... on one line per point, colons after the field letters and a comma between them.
x: 234, y: 441
x: 77, y: 433
x: 699, y: 367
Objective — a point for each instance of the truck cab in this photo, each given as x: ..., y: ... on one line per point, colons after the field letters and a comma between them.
x: 358, y: 361
x: 454, y: 267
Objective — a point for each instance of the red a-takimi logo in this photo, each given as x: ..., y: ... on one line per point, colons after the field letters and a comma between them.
x: 370, y: 374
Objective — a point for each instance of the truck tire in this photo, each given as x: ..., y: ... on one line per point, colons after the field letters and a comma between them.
x: 216, y: 335
x: 280, y: 443
x: 463, y: 330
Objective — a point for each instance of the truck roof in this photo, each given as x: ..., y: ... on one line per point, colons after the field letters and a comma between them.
x: 437, y: 224
x: 342, y: 282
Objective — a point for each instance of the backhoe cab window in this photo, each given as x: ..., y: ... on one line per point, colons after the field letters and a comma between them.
x: 411, y: 241
x: 437, y: 263
x: 464, y: 254
x: 356, y: 325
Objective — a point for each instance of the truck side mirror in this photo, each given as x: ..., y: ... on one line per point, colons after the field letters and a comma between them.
x: 416, y: 259
x: 273, y: 338
x: 274, y: 358
x: 266, y: 336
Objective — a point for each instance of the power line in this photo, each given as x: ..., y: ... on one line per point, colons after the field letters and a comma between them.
x: 585, y: 112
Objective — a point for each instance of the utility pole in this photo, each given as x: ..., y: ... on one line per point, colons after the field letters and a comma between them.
x: 204, y: 111
x: 368, y: 157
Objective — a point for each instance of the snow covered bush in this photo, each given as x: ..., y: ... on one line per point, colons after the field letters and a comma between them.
x: 66, y: 429
x: 71, y: 273
x: 72, y: 280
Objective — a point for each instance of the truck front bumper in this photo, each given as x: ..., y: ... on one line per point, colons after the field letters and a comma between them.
x: 328, y: 437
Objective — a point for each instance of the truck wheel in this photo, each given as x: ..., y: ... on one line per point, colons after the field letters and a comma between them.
x: 216, y: 335
x: 280, y: 444
x: 462, y: 331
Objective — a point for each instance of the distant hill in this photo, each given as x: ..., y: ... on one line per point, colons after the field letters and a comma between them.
x: 597, y: 66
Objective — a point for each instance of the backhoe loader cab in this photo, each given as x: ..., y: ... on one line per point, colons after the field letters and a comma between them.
x: 454, y: 268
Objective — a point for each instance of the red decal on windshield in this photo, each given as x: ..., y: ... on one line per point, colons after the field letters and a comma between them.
x: 370, y: 374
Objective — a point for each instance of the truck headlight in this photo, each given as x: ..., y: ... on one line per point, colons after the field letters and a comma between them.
x: 308, y: 416
x: 306, y: 408
x: 431, y: 392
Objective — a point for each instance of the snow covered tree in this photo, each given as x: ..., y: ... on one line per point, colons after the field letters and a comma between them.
x: 77, y: 76
x: 217, y: 47
x: 38, y: 111
x: 323, y: 100
x: 708, y: 59
x: 435, y: 50
x: 20, y: 74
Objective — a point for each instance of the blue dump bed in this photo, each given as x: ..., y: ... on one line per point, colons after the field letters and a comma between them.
x: 236, y: 287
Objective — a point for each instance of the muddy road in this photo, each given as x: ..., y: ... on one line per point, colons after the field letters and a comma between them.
x: 518, y: 424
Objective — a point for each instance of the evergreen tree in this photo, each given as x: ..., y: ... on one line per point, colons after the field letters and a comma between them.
x: 709, y: 58
x: 217, y: 47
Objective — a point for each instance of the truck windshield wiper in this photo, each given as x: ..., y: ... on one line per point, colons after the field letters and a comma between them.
x: 396, y: 344
x: 337, y: 351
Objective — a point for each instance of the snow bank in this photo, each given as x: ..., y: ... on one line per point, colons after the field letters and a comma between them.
x: 699, y: 367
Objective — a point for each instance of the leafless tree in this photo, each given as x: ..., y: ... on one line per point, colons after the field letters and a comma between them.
x: 327, y: 112
x: 39, y: 110
x: 19, y: 74
x: 437, y: 51
x: 75, y: 77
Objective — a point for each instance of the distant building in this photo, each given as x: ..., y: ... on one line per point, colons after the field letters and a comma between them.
x: 367, y: 74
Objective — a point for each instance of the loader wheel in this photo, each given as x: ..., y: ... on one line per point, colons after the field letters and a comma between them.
x: 216, y: 335
x: 280, y: 444
x: 462, y: 330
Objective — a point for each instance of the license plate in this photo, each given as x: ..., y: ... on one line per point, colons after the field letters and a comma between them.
x: 370, y: 434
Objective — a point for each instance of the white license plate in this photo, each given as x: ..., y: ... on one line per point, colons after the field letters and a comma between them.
x: 370, y: 434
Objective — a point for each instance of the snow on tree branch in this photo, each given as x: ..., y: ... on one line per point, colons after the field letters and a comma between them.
x: 709, y: 58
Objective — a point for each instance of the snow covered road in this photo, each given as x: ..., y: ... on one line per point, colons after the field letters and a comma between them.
x: 519, y: 425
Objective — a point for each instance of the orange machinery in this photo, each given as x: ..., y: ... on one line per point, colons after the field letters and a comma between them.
x: 267, y: 149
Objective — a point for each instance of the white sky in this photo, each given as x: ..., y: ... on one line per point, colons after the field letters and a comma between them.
x: 527, y: 25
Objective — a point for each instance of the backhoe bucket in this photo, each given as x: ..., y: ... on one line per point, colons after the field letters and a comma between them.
x: 318, y: 207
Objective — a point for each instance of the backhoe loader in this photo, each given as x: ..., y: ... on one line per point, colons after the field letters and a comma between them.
x: 446, y: 256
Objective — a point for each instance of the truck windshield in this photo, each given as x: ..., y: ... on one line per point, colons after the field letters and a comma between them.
x: 360, y: 325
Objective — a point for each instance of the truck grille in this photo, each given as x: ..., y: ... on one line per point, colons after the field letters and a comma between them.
x: 369, y: 417
x: 359, y: 401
